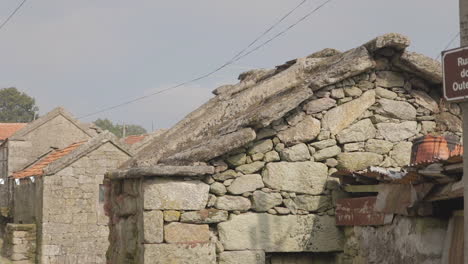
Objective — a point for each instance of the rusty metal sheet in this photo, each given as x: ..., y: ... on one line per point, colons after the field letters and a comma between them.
x: 360, y: 212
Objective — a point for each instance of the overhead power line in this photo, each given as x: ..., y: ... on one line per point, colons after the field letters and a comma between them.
x: 449, y: 44
x: 236, y: 58
x: 12, y: 14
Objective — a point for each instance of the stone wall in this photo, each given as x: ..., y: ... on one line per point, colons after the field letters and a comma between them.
x: 73, y: 227
x: 275, y: 194
x: 406, y: 241
x: 20, y: 243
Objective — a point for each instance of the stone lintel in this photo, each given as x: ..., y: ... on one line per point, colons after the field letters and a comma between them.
x: 161, y: 171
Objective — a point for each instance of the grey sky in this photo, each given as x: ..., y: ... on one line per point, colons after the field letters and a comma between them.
x: 86, y: 55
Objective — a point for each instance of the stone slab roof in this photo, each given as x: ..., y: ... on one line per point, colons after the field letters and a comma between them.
x: 8, y: 129
x: 229, y: 120
x: 60, y: 159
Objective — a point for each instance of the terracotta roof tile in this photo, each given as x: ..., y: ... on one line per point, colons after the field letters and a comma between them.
x: 130, y: 140
x: 37, y: 169
x: 8, y: 129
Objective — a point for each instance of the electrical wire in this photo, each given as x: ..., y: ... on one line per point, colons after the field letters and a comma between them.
x: 236, y: 58
x: 12, y: 14
x: 449, y: 44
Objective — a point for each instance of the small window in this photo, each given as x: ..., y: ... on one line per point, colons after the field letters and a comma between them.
x: 102, y: 193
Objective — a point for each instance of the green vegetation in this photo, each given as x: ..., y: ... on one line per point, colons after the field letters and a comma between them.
x: 16, y: 106
x: 117, y: 129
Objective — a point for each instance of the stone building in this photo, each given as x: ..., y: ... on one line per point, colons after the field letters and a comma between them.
x: 63, y: 194
x: 246, y: 178
x: 57, y: 129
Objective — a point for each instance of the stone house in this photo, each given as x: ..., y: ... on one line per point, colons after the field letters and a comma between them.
x: 63, y: 194
x: 56, y: 129
x: 246, y: 178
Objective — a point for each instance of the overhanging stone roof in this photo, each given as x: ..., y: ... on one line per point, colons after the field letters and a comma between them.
x: 229, y: 120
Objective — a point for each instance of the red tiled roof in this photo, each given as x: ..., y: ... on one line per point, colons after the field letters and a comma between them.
x: 8, y: 129
x: 37, y: 169
x: 130, y: 140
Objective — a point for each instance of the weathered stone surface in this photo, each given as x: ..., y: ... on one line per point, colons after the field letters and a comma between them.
x: 262, y: 146
x: 342, y: 116
x: 167, y: 194
x: 180, y: 253
x: 390, y: 40
x: 233, y: 203
x: 213, y: 148
x: 251, y: 167
x: 389, y: 79
x: 246, y: 183
x: 295, y: 118
x: 271, y: 156
x: 218, y: 188
x: 337, y: 93
x: 154, y: 225
x: 396, y: 132
x: 331, y: 162
x: 351, y: 63
x: 425, y: 100
x: 171, y: 216
x: 357, y: 146
x: 397, y: 109
x: 319, y: 105
x: 242, y: 257
x: 423, y: 66
x: 313, y: 203
x: 273, y: 233
x: 265, y: 133
x: 360, y: 131
x: 327, y: 153
x: 158, y: 170
x: 416, y: 239
x: 401, y: 153
x: 378, y: 146
x: 226, y: 175
x: 205, y: 216
x: 427, y: 126
x: 186, y: 233
x: 352, y: 91
x: 299, y: 152
x: 356, y: 161
x: 447, y: 121
x: 384, y: 93
x: 365, y: 85
x: 323, y: 144
x: 301, y: 177
x: 262, y: 201
x: 306, y: 130
x: 237, y: 160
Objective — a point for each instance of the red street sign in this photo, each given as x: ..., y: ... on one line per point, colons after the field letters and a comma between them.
x: 455, y: 73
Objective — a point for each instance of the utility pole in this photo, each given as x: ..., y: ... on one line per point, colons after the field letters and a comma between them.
x: 464, y: 106
x: 124, y: 129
